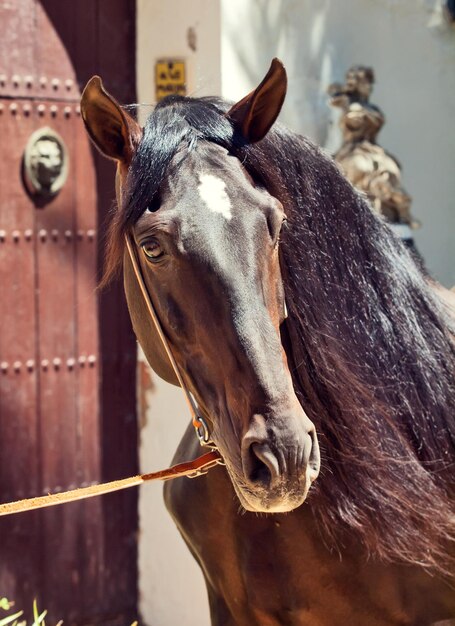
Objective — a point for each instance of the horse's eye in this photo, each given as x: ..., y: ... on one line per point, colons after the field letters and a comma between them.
x: 153, y: 250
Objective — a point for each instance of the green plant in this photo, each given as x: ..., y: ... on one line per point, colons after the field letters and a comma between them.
x: 38, y: 618
x: 13, y: 619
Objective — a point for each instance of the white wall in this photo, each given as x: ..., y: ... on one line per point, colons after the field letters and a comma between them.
x: 171, y: 587
x: 168, y: 28
x: 412, y: 50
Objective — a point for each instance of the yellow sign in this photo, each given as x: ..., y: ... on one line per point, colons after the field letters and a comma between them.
x: 170, y: 78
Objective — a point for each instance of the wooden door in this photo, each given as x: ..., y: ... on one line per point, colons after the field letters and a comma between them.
x: 67, y: 355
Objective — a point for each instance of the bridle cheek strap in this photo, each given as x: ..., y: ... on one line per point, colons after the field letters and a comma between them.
x: 191, y: 469
x: 198, y: 421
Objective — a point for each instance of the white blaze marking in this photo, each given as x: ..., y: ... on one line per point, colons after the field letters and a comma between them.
x: 213, y: 191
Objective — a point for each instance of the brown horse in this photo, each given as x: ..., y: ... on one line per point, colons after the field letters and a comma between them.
x: 290, y: 309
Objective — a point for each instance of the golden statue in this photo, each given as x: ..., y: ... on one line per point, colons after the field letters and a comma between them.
x: 368, y: 166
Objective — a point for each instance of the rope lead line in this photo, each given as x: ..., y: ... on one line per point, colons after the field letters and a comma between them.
x: 191, y: 469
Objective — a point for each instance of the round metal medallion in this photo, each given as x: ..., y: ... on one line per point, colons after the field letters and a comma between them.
x: 45, y: 163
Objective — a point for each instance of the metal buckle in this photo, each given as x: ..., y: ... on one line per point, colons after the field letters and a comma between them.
x: 203, y: 433
x: 203, y: 470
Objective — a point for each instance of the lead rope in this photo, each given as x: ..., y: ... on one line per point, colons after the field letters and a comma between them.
x: 191, y: 469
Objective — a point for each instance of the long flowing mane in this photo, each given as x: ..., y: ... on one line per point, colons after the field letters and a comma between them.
x: 369, y: 344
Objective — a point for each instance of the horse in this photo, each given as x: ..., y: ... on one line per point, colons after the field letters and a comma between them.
x: 318, y: 353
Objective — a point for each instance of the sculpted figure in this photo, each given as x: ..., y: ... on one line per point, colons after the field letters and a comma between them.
x: 367, y: 165
x: 46, y: 161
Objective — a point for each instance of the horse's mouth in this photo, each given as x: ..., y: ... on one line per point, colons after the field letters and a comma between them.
x: 283, y: 498
x: 275, y: 469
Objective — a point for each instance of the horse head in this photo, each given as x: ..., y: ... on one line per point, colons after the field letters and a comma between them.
x: 206, y: 237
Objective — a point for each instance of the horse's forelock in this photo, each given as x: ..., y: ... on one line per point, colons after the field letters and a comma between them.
x: 176, y: 124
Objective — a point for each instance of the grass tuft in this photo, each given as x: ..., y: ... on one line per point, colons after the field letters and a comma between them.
x: 38, y: 618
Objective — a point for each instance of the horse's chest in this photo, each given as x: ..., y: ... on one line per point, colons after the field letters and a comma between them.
x: 272, y: 570
x: 243, y: 567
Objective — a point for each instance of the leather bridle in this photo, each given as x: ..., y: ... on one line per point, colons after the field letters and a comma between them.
x: 199, y: 423
x: 191, y: 469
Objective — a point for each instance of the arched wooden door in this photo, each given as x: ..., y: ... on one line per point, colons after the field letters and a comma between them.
x: 67, y: 355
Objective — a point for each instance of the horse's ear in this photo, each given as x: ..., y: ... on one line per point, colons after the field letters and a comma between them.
x: 112, y: 130
x: 255, y: 114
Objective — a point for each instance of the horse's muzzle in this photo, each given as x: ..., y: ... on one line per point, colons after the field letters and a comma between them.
x: 278, y: 466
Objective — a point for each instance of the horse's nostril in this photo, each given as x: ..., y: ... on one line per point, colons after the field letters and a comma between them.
x: 261, y: 465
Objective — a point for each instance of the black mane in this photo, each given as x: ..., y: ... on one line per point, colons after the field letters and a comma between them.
x: 370, y: 345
